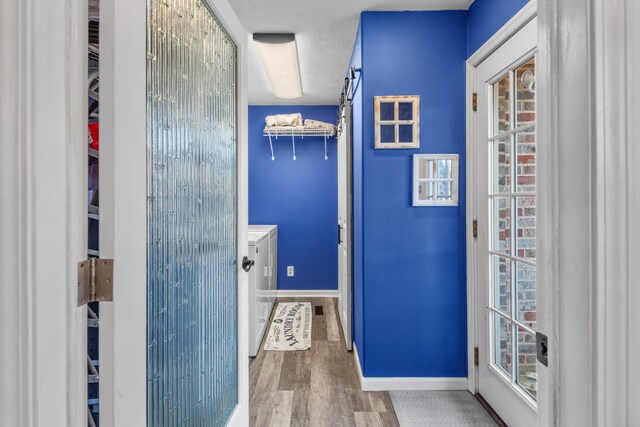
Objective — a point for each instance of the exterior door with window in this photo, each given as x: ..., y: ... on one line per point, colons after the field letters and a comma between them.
x: 506, y: 213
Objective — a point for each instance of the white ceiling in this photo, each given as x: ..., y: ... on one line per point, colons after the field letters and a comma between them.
x: 325, y: 33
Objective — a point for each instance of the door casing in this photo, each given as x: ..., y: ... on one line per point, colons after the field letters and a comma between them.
x: 43, y: 217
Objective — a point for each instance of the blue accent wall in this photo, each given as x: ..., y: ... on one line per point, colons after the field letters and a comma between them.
x: 413, y: 278
x: 300, y: 196
x: 486, y: 17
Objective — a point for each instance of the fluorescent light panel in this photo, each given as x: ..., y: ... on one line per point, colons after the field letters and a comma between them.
x: 279, y: 55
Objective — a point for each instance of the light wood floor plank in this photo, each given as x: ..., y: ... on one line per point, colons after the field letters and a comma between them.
x: 281, y: 415
x: 377, y: 402
x: 389, y: 419
x: 368, y: 419
x: 318, y: 387
x: 263, y: 396
x: 331, y: 316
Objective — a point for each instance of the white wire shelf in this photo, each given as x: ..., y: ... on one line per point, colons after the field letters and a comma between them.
x: 298, y: 131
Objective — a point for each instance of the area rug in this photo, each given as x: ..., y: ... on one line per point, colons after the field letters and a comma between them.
x: 290, y: 328
x: 439, y: 408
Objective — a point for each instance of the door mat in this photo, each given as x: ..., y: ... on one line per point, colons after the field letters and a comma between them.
x: 290, y: 328
x: 439, y: 408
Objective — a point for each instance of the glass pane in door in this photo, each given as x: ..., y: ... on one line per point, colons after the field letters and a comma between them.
x: 526, y: 226
x: 502, y: 225
x: 501, y: 268
x: 512, y: 160
x: 526, y: 93
x: 192, y: 369
x: 526, y: 375
x: 526, y: 161
x: 503, y: 349
x: 502, y: 105
x: 502, y: 165
x: 526, y: 294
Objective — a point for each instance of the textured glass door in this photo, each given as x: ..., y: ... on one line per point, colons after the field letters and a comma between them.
x: 192, y: 300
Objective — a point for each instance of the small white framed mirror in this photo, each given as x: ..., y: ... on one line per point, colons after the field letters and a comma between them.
x: 435, y: 180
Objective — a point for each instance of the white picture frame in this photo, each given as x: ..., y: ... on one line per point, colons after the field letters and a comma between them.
x: 435, y: 179
x: 397, y: 122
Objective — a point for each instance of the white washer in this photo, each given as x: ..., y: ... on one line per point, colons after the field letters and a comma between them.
x: 259, y: 301
x: 273, y: 257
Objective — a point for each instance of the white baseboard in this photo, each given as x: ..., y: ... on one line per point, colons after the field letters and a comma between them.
x: 292, y: 293
x: 406, y: 383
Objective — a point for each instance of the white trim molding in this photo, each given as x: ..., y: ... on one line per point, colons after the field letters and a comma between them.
x: 515, y: 24
x: 292, y: 293
x: 43, y: 182
x: 616, y: 206
x: 407, y: 383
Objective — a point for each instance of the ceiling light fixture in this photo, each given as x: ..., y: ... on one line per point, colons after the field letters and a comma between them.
x: 279, y: 55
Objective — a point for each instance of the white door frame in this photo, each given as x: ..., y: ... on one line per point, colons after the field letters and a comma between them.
x: 123, y: 397
x: 43, y: 217
x: 616, y: 138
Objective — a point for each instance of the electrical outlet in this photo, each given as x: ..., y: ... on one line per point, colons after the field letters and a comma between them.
x: 290, y: 272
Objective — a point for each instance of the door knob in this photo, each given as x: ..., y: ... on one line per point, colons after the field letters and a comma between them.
x: 247, y: 263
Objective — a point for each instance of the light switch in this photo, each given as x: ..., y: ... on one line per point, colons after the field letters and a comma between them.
x: 290, y: 271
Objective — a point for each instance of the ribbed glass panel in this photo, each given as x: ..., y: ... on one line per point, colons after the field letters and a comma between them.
x: 192, y: 205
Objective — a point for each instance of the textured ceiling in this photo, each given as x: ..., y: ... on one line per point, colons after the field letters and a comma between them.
x: 325, y: 33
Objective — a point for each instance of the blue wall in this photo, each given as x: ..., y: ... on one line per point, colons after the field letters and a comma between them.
x: 486, y: 17
x: 300, y: 196
x: 414, y: 265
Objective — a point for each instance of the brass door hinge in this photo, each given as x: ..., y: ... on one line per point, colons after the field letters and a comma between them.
x: 95, y: 280
x: 474, y: 101
x: 476, y: 356
x: 475, y: 228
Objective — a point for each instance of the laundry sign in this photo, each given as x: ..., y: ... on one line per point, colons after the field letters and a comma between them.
x: 290, y: 328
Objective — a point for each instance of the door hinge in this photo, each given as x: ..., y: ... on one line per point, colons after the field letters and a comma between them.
x: 95, y: 280
x: 474, y: 101
x: 476, y: 356
x: 475, y: 228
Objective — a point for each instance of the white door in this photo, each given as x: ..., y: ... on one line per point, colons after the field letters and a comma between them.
x: 506, y: 213
x: 174, y: 345
x: 344, y: 223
